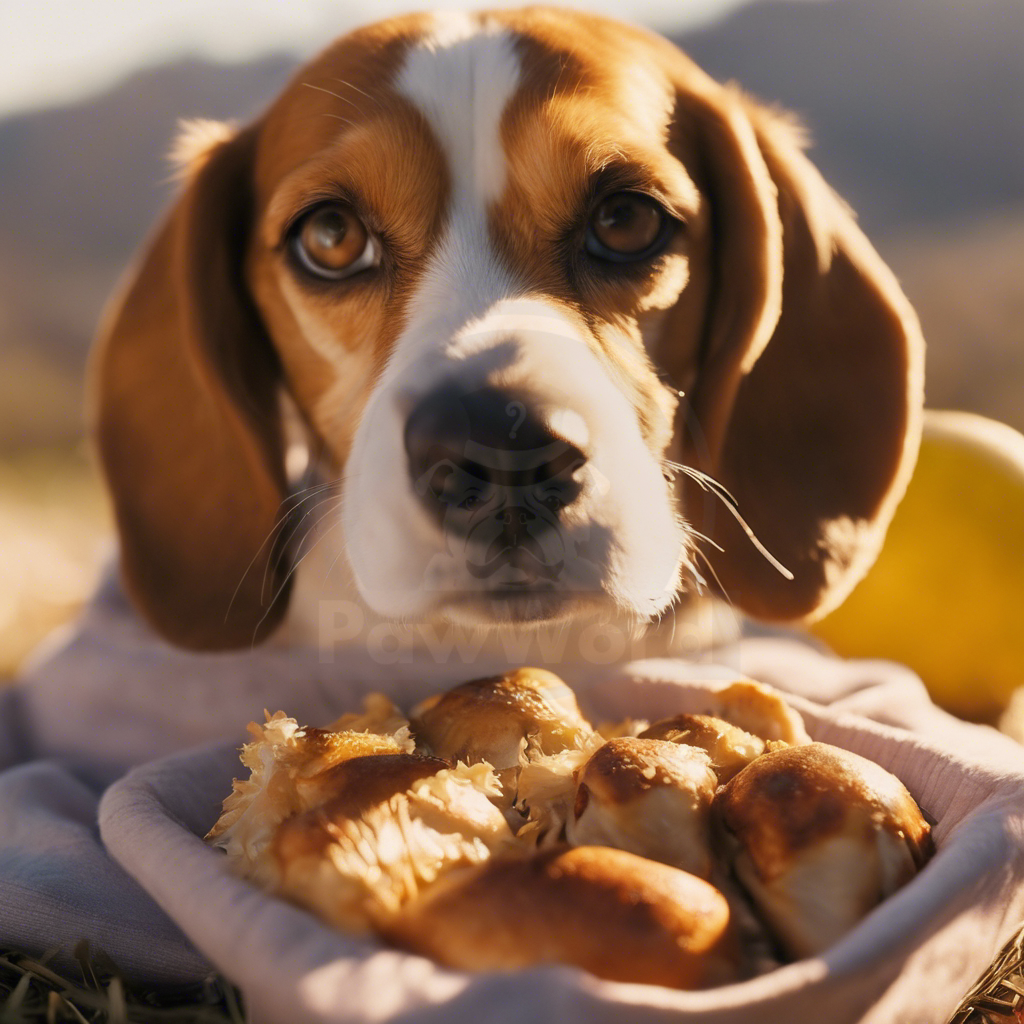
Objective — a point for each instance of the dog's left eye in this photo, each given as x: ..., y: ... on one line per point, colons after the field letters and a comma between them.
x: 626, y: 227
x: 333, y: 243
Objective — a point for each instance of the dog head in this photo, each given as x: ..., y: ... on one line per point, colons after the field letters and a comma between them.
x: 513, y: 269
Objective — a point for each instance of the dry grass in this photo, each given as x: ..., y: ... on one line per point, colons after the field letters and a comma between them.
x: 998, y: 997
x: 54, y: 532
x: 32, y: 993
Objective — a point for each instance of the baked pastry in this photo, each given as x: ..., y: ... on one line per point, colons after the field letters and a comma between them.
x: 650, y: 797
x: 397, y: 824
x: 503, y: 720
x: 614, y: 914
x: 290, y: 773
x: 497, y: 829
x: 756, y: 709
x: 819, y: 836
x: 729, y: 748
x: 497, y: 718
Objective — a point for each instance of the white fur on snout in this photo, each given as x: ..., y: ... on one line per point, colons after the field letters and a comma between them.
x: 620, y: 541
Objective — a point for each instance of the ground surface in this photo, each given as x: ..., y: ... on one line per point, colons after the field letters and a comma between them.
x: 32, y: 993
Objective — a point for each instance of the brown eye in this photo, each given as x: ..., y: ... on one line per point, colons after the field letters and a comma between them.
x: 626, y: 227
x: 333, y: 243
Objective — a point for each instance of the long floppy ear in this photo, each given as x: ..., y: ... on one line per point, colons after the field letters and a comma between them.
x: 806, y: 403
x: 185, y: 407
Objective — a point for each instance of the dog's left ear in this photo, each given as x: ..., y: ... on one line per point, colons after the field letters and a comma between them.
x: 806, y: 400
x: 185, y: 408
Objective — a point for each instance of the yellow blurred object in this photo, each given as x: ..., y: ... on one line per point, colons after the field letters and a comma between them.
x: 946, y: 596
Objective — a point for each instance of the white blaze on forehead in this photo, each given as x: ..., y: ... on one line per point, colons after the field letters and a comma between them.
x: 461, y: 76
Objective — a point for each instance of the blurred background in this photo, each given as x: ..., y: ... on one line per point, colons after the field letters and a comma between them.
x: 916, y: 109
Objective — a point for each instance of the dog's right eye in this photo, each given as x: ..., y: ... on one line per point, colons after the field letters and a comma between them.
x: 627, y: 227
x: 333, y: 243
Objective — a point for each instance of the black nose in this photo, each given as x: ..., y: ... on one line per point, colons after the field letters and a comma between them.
x: 472, y: 452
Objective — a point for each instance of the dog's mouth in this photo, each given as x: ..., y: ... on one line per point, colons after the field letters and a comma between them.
x: 524, y: 604
x: 521, y: 580
x: 523, y: 563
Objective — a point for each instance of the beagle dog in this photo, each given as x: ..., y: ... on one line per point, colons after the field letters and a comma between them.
x: 568, y: 328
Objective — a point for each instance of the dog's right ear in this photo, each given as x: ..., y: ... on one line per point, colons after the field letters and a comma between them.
x: 185, y: 411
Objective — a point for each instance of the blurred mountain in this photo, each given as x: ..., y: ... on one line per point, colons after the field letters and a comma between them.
x: 89, y: 178
x: 81, y: 187
x: 915, y: 107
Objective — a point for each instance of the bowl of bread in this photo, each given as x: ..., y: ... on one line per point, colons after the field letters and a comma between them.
x: 493, y: 827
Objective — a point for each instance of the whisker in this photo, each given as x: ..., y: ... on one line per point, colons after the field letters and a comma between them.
x: 288, y: 576
x: 354, y: 88
x: 689, y: 570
x: 712, y: 486
x: 288, y: 511
x: 705, y: 537
x: 336, y: 117
x: 329, y: 92
x: 298, y: 525
x: 711, y: 569
x: 704, y: 480
x: 288, y: 519
x: 310, y: 490
x: 330, y: 569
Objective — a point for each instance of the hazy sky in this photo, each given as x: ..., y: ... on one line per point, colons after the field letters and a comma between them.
x: 55, y: 50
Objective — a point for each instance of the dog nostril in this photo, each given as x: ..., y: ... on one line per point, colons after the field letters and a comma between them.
x: 469, y: 451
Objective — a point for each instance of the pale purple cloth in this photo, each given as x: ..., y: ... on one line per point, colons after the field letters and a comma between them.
x: 113, y: 696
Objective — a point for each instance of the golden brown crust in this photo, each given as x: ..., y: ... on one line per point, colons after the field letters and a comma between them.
x: 396, y: 823
x: 490, y: 719
x: 650, y: 797
x: 355, y: 786
x: 757, y: 709
x: 791, y: 799
x: 627, y: 767
x: 730, y: 748
x: 614, y: 914
x: 371, y: 836
x: 820, y: 836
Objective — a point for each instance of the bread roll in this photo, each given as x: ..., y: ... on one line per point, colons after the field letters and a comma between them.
x: 650, y: 797
x: 505, y: 721
x: 289, y: 769
x: 614, y: 914
x: 729, y: 747
x: 415, y: 830
x: 819, y: 837
x: 397, y: 822
x: 756, y: 709
x: 493, y: 719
